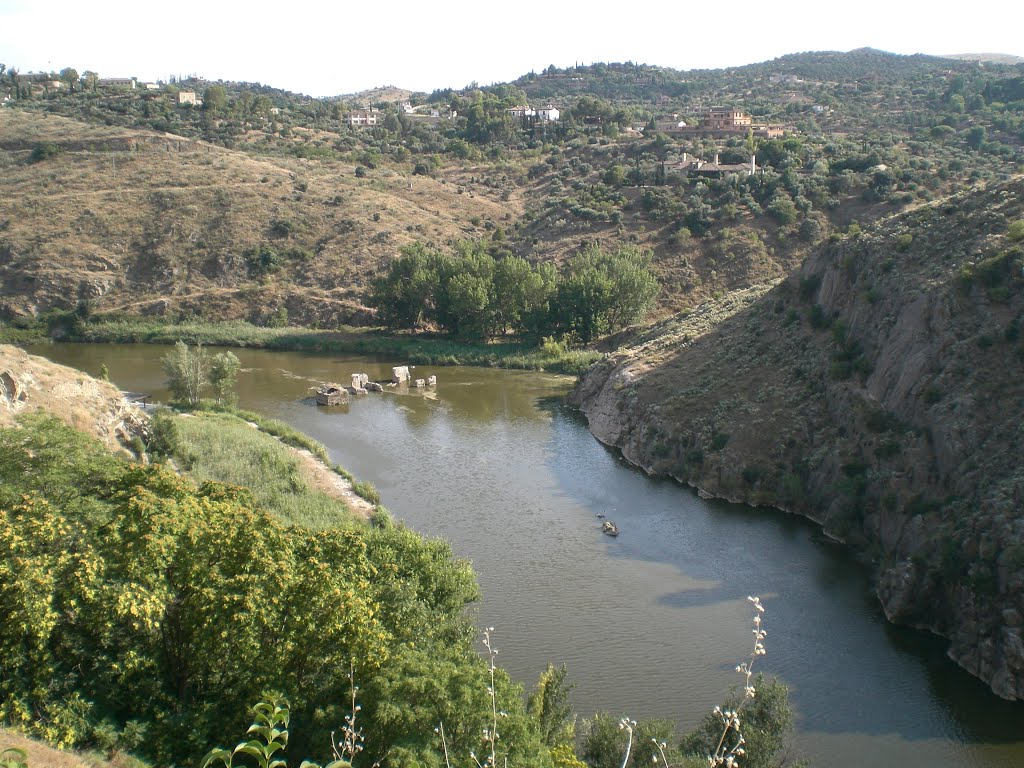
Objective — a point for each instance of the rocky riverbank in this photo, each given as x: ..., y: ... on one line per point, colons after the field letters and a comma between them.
x: 879, y: 391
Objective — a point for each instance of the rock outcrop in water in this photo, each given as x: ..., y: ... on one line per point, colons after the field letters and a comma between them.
x: 879, y: 391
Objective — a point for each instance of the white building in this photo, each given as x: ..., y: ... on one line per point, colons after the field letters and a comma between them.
x: 544, y: 113
x: 549, y: 112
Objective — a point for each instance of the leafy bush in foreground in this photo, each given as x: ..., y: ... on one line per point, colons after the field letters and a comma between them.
x: 132, y: 600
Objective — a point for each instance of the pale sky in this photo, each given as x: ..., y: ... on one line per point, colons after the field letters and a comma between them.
x: 345, y: 46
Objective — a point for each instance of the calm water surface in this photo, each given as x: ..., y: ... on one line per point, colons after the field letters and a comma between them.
x: 651, y: 623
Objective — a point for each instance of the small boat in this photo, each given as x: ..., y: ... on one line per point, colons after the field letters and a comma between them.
x: 609, y: 528
x: 331, y: 394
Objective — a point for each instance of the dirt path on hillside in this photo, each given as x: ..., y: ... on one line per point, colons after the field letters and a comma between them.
x: 324, y: 479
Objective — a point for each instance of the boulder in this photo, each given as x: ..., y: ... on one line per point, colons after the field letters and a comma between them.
x: 12, y: 389
x: 400, y: 374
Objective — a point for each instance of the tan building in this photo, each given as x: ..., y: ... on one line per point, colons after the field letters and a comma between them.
x: 188, y: 97
x: 725, y: 117
x: 362, y: 117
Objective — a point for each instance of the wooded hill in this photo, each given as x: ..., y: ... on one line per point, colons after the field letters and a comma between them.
x: 267, y: 206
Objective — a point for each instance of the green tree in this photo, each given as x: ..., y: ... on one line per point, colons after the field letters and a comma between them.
x: 615, y: 176
x: 468, y: 306
x: 164, y: 435
x: 215, y: 100
x: 549, y: 706
x: 781, y: 208
x: 404, y: 294
x: 537, y: 319
x: 223, y: 376
x: 187, y: 373
x: 766, y: 722
x: 605, y: 291
x: 70, y: 76
x: 515, y: 283
x: 976, y: 137
x: 464, y: 299
x: 604, y: 742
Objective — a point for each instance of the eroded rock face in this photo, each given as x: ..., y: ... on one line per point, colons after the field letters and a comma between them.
x: 29, y: 383
x: 14, y: 391
x: 879, y: 391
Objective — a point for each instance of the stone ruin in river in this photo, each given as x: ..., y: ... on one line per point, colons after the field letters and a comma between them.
x: 361, y: 383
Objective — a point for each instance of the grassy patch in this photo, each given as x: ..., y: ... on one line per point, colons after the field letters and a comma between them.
x: 222, y: 447
x: 286, y: 433
x: 418, y: 349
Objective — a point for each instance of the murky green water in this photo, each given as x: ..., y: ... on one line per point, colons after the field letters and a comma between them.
x: 650, y: 623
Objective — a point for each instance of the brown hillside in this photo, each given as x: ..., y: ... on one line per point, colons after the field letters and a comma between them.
x: 156, y: 224
x: 880, y: 391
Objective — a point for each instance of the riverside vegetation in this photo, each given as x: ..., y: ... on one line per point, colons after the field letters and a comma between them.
x: 142, y: 610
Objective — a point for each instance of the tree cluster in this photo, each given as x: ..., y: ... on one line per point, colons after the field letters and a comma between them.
x: 192, y: 372
x: 473, y: 295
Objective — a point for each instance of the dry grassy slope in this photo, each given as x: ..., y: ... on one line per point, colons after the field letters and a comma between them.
x: 40, y: 755
x: 896, y: 419
x: 154, y: 223
x: 389, y: 93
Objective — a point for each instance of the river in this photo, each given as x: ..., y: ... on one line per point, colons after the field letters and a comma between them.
x: 650, y: 623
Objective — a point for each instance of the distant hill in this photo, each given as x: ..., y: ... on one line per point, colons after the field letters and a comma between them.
x: 632, y: 82
x: 387, y: 94
x: 993, y: 58
x: 270, y: 206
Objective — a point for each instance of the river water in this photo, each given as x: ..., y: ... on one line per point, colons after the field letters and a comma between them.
x: 651, y: 623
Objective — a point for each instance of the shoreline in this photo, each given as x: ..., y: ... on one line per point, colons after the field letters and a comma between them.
x: 422, y: 348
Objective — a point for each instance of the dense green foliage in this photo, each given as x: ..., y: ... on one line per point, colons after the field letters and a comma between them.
x: 140, y: 607
x: 473, y: 295
x: 767, y: 720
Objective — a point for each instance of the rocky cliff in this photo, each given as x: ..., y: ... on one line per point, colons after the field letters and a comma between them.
x: 880, y: 391
x: 29, y: 383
